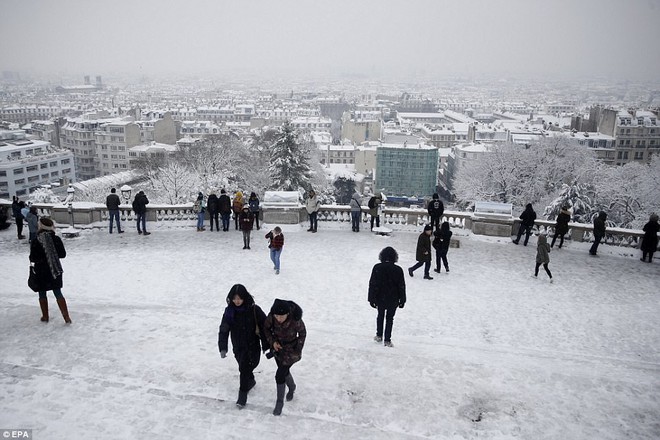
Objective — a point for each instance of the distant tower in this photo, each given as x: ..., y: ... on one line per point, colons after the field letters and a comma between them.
x: 87, y: 82
x: 99, y: 82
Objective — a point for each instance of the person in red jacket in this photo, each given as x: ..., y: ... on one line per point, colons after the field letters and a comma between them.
x: 276, y: 239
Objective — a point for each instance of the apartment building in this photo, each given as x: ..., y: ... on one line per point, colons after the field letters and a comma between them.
x: 311, y: 123
x: 149, y: 150
x: 359, y: 127
x: 26, y: 164
x: 637, y: 136
x: 79, y: 136
x: 113, y: 139
x: 406, y: 170
x: 25, y: 114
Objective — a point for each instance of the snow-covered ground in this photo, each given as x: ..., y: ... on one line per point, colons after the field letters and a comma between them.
x: 485, y: 351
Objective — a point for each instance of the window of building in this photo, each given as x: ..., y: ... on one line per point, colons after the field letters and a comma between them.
x: 3, y: 173
x: 33, y: 178
x: 18, y: 171
x: 639, y: 155
x: 45, y: 176
x: 54, y: 173
x: 66, y: 171
x: 19, y: 181
x: 53, y: 164
x: 31, y: 168
x: 65, y: 161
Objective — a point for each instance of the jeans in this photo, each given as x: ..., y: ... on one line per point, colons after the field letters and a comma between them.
x: 426, y: 264
x: 355, y: 220
x: 275, y: 257
x: 594, y: 247
x: 386, y: 315
x: 56, y: 292
x: 441, y: 255
x: 213, y: 215
x: 200, y: 220
x: 246, y: 238
x: 377, y: 219
x: 141, y: 219
x: 225, y: 220
x: 114, y: 214
x: 313, y: 221
x: 256, y: 218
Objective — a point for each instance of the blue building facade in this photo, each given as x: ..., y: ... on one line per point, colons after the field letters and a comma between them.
x: 406, y: 170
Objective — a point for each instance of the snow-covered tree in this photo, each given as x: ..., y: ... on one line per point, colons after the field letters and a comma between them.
x: 578, y: 197
x: 344, y: 188
x: 44, y: 195
x: 289, y: 163
x: 174, y: 183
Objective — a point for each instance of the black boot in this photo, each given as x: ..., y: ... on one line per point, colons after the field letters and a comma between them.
x: 292, y: 387
x: 279, y: 403
x: 242, y: 399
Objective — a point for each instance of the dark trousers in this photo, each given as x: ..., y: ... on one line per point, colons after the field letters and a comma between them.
x: 649, y: 254
x: 256, y: 218
x: 527, y: 230
x: 426, y: 264
x: 545, y: 266
x: 355, y: 220
x: 114, y: 215
x: 225, y: 220
x: 441, y: 255
x: 213, y: 216
x: 245, y: 368
x: 386, y: 315
x: 377, y: 219
x: 561, y: 239
x: 435, y: 222
x: 236, y: 220
x: 594, y: 247
x: 313, y: 221
x: 282, y: 372
x: 141, y: 219
x: 19, y: 227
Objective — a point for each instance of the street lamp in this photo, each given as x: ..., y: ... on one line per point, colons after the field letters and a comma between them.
x: 126, y: 193
x: 70, y: 193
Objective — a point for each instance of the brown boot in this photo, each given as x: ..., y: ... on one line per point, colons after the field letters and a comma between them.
x: 43, y: 303
x: 61, y: 302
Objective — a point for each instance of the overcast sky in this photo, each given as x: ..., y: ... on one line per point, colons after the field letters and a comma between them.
x: 615, y: 38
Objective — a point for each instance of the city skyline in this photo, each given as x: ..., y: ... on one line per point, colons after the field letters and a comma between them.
x: 315, y: 39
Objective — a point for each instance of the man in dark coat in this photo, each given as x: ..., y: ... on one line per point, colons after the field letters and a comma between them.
x: 213, y: 207
x: 527, y: 223
x: 224, y: 204
x: 599, y: 231
x: 140, y: 207
x: 16, y: 206
x: 436, y: 208
x: 423, y: 253
x: 650, y: 240
x: 387, y: 291
x: 112, y: 202
x: 561, y: 227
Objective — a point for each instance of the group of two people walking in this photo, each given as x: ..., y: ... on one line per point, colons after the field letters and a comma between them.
x: 441, y: 242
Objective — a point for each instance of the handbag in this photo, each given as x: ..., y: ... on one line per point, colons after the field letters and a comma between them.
x: 33, y: 281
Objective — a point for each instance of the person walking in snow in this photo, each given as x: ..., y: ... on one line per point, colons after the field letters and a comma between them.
x: 32, y: 219
x: 436, y: 208
x: 253, y: 201
x: 312, y: 205
x: 45, y: 254
x: 243, y: 320
x: 387, y: 291
x: 112, y: 202
x: 140, y: 203
x: 441, y: 242
x: 224, y: 203
x: 599, y: 231
x: 246, y: 220
x: 286, y: 333
x: 374, y: 209
x: 561, y: 227
x: 356, y: 211
x: 16, y: 206
x: 528, y: 216
x: 423, y: 253
x: 650, y: 240
x: 213, y: 208
x: 199, y: 208
x: 542, y: 256
x: 275, y: 244
x: 237, y: 206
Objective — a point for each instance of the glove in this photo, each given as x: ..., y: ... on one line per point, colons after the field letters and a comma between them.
x: 223, y: 354
x: 373, y: 304
x: 401, y: 305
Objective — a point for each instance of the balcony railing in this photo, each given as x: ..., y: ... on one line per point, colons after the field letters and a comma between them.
x: 91, y: 215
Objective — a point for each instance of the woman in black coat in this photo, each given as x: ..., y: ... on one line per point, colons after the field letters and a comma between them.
x: 387, y: 291
x: 45, y: 253
x: 650, y: 240
x: 441, y: 244
x: 561, y: 227
x: 244, y: 320
x: 527, y: 218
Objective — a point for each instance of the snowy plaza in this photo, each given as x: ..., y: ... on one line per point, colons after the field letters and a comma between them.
x: 486, y: 351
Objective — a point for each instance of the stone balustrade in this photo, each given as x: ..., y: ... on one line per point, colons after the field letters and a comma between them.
x: 91, y: 214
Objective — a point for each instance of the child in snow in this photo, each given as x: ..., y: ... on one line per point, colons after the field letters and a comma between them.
x: 542, y: 256
x: 276, y: 243
x: 244, y: 320
x: 286, y: 333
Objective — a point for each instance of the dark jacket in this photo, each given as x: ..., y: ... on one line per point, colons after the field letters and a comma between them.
x: 140, y: 203
x: 423, y: 252
x: 225, y: 204
x: 276, y: 241
x: 246, y: 220
x: 542, y: 250
x: 441, y: 239
x: 16, y: 210
x: 650, y: 240
x: 436, y: 208
x: 290, y: 334
x: 253, y: 202
x: 212, y: 203
x: 561, y: 227
x: 599, y: 224
x: 112, y: 202
x: 242, y: 324
x: 38, y: 256
x: 387, y: 285
x: 528, y: 216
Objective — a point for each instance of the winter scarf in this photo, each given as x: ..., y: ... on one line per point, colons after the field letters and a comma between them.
x: 231, y: 311
x: 46, y: 241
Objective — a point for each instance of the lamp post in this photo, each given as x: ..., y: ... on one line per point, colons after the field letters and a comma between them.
x: 70, y: 192
x: 126, y: 193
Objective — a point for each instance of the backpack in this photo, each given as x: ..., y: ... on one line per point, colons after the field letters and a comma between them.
x: 196, y: 207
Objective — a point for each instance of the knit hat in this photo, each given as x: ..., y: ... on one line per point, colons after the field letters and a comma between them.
x: 280, y: 307
x: 428, y: 228
x: 46, y: 224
